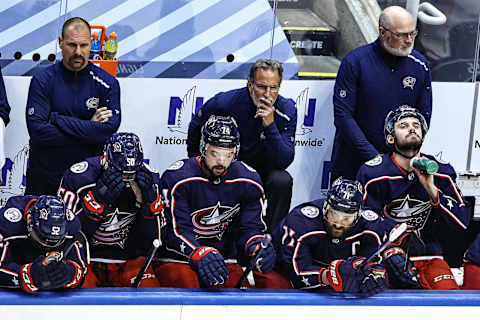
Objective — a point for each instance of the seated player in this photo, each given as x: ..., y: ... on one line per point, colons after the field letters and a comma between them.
x: 117, y: 199
x: 214, y: 208
x: 41, y: 245
x: 471, y: 266
x: 326, y: 241
x: 424, y: 201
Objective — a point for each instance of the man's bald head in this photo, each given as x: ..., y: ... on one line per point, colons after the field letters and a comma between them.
x: 77, y: 24
x: 395, y: 17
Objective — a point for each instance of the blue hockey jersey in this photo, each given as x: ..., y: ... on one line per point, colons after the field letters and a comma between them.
x: 128, y: 229
x: 17, y: 249
x: 59, y: 108
x: 304, y: 247
x: 400, y: 197
x: 262, y: 148
x: 225, y: 213
x: 369, y: 84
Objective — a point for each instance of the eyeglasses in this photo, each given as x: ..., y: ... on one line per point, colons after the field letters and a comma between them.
x: 264, y: 87
x: 403, y: 35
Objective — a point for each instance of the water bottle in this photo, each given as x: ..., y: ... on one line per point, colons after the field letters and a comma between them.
x: 110, y: 48
x: 95, y: 47
x: 425, y: 165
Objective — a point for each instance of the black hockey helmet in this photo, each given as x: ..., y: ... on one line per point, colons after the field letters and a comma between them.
x: 220, y: 131
x: 400, y: 112
x: 124, y: 152
x: 345, y: 196
x: 47, y: 221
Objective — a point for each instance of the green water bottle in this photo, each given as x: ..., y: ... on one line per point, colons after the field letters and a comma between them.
x: 425, y: 165
x: 110, y: 47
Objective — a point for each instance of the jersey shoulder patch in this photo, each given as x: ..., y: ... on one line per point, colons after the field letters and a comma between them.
x: 369, y: 215
x: 374, y: 162
x: 310, y: 211
x: 80, y: 167
x: 176, y: 165
x: 13, y: 215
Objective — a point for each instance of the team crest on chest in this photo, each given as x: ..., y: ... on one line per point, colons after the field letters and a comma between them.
x: 115, y: 230
x: 412, y: 211
x: 213, y: 221
x: 92, y: 103
x: 409, y: 82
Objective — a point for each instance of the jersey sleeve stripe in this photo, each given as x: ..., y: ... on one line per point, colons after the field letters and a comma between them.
x: 297, y: 249
x: 454, y: 218
x: 452, y: 185
x: 366, y: 232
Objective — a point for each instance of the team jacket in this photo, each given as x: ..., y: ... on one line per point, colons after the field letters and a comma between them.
x: 4, y: 106
x: 304, y: 247
x: 262, y: 148
x: 225, y: 214
x: 17, y: 249
x: 127, y: 231
x: 59, y: 108
x: 400, y: 197
x: 369, y: 84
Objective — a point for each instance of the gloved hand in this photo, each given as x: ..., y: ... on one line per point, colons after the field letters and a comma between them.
x: 45, y: 273
x: 109, y: 186
x: 399, y: 268
x: 343, y: 275
x: 267, y: 258
x: 375, y: 279
x: 150, y: 193
x: 106, y: 191
x: 209, y: 265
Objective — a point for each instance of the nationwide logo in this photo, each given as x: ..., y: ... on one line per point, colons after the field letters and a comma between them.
x: 13, y: 176
x: 306, y: 107
x: 182, y: 110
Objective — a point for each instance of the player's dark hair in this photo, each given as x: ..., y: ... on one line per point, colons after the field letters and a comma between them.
x: 74, y: 20
x: 265, y: 64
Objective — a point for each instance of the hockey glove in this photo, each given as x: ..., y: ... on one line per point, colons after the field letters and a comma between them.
x: 375, y: 279
x: 209, y: 265
x: 343, y: 275
x: 400, y: 268
x: 149, y: 189
x: 107, y: 190
x: 45, y: 273
x: 265, y: 261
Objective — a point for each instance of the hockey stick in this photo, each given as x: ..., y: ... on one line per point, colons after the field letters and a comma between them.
x: 396, y: 232
x: 265, y: 242
x: 138, y: 279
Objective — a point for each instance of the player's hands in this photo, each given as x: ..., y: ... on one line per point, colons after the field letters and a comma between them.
x: 266, y: 260
x: 109, y: 186
x: 375, y: 279
x: 150, y: 194
x: 399, y: 268
x: 209, y: 265
x: 102, y: 115
x: 343, y: 275
x: 47, y: 273
x: 265, y: 110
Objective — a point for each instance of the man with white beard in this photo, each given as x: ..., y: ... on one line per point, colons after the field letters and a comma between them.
x: 372, y: 79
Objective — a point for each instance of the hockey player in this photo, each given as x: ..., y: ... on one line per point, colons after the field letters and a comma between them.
x: 214, y: 208
x: 425, y: 201
x: 324, y: 243
x: 116, y: 197
x: 41, y: 245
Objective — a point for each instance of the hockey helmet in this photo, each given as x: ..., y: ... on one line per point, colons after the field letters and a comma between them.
x: 220, y: 131
x: 345, y: 196
x: 47, y: 221
x: 124, y: 152
x: 403, y: 111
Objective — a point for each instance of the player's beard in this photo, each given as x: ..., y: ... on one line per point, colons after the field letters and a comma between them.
x: 73, y: 65
x: 211, y: 170
x: 408, y: 147
x: 399, y: 52
x: 337, y: 232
